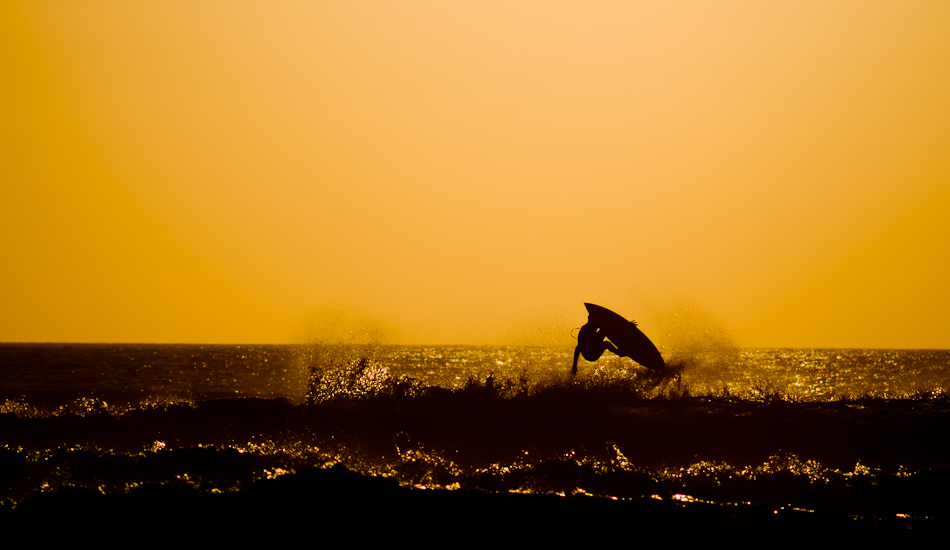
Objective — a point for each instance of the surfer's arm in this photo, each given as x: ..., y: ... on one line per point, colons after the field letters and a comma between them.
x: 577, y: 353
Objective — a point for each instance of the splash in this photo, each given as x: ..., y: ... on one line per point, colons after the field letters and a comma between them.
x: 349, y: 376
x: 338, y: 326
x: 697, y: 347
x: 338, y: 358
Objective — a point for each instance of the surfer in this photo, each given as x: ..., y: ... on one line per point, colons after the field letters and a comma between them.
x: 607, y: 331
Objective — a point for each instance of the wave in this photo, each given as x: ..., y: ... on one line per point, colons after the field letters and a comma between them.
x: 616, y: 439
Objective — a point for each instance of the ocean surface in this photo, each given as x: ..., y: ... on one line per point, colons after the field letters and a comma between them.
x: 801, y: 433
x: 133, y: 372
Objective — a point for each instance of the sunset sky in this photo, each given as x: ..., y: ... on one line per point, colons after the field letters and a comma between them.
x: 472, y: 172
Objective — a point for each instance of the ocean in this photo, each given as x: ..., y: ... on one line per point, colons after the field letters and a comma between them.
x: 853, y: 440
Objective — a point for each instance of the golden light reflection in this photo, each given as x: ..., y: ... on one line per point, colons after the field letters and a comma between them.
x: 686, y: 498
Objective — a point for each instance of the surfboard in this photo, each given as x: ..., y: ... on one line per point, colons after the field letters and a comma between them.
x: 626, y: 336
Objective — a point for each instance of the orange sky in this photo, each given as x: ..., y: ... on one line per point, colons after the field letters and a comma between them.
x: 471, y: 172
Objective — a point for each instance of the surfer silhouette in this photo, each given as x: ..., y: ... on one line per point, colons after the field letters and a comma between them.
x: 608, y: 331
